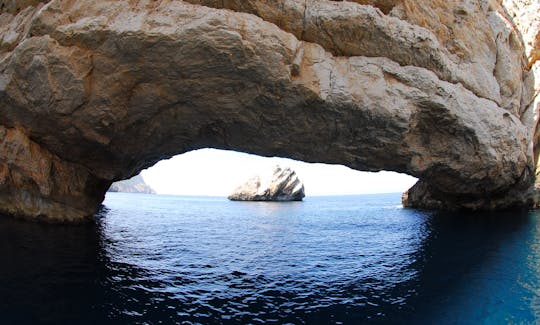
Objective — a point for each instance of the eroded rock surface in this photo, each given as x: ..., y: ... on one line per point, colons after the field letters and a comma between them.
x: 446, y: 91
x: 282, y: 184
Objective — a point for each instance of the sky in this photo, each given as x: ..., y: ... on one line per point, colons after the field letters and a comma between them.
x: 215, y: 172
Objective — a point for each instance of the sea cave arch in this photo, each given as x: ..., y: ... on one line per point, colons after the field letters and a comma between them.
x: 90, y: 96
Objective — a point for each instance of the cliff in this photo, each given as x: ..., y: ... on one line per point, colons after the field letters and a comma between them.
x: 92, y: 92
x: 282, y: 184
x: 135, y: 184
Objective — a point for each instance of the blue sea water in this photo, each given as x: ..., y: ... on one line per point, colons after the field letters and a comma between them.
x: 328, y: 260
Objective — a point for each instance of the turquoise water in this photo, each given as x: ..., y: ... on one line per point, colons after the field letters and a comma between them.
x: 328, y: 260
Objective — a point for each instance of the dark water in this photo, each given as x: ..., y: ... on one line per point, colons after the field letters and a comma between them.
x: 357, y: 259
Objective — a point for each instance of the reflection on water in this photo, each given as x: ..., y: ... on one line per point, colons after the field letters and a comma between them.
x: 326, y: 260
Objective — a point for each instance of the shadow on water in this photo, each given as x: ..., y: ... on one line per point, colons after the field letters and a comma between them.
x: 465, y: 269
x: 470, y: 268
x: 53, y: 274
x: 476, y: 268
x: 49, y: 273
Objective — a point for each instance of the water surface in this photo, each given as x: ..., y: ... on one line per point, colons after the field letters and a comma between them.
x: 329, y: 260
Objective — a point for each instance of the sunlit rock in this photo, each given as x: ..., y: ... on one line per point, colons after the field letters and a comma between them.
x: 92, y: 92
x: 282, y: 184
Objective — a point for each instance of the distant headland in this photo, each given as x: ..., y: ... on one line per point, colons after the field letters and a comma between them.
x: 135, y: 184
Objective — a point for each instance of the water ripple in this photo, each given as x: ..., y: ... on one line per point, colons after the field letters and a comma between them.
x: 340, y: 260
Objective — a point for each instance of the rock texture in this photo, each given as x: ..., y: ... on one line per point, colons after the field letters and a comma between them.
x: 280, y: 185
x: 92, y: 92
x: 133, y: 185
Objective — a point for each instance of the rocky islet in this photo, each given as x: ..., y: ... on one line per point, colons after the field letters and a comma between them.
x: 282, y: 184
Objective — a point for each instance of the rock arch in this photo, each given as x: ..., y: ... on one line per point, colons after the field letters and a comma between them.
x: 94, y: 91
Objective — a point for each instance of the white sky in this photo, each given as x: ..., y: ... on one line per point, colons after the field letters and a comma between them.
x: 217, y: 172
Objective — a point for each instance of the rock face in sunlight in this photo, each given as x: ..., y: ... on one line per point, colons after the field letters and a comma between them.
x: 133, y: 185
x: 281, y: 185
x: 92, y: 92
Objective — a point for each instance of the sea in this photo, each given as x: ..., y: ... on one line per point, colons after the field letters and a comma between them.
x: 155, y: 259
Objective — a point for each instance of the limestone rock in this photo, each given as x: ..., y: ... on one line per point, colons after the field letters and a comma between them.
x: 434, y: 35
x: 446, y: 91
x: 524, y: 14
x: 281, y: 185
x: 36, y: 184
x: 135, y: 184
